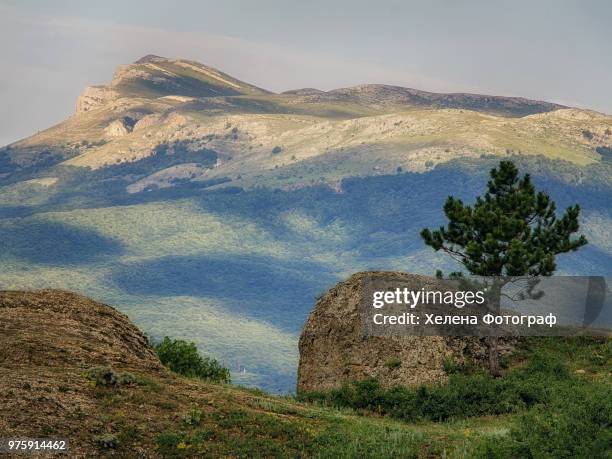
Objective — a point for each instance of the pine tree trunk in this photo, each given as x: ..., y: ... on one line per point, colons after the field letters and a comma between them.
x: 493, y: 351
x: 493, y: 341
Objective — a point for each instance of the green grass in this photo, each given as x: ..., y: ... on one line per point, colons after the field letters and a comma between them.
x: 556, y: 400
x: 569, y: 418
x: 241, y: 423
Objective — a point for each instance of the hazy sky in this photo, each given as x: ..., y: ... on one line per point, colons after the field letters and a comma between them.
x: 559, y: 51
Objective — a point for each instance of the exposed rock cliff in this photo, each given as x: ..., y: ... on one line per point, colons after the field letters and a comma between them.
x: 334, y: 350
x: 93, y: 97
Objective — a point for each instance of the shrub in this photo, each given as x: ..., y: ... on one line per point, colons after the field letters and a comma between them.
x: 605, y: 152
x: 107, y: 441
x: 580, y: 426
x: 183, y: 358
x: 392, y: 364
x: 107, y: 377
x: 193, y: 417
x: 464, y: 396
x: 452, y: 366
x: 168, y: 443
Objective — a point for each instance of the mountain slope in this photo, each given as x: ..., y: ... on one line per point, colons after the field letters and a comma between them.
x: 397, y: 96
x: 157, y: 102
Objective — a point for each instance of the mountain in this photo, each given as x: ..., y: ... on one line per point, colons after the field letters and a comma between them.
x: 153, y: 77
x: 216, y: 211
x: 159, y: 103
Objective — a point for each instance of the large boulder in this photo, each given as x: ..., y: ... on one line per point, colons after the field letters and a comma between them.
x: 334, y: 349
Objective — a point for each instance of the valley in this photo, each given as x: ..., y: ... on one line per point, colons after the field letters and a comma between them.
x: 212, y: 210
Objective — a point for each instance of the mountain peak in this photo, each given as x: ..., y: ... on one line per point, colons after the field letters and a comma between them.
x: 151, y: 58
x: 154, y: 77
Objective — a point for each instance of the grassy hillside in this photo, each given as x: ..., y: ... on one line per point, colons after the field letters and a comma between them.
x: 55, y: 390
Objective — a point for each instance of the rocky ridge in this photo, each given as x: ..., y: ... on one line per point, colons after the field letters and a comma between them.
x: 324, y: 136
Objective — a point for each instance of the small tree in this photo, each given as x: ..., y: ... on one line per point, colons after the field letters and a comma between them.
x: 512, y: 231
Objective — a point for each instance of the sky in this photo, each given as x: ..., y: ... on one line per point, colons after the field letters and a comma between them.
x: 557, y: 50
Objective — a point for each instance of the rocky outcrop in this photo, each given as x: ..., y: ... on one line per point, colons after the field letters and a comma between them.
x: 148, y: 121
x: 120, y: 127
x: 334, y: 349
x: 93, y: 97
x: 58, y: 328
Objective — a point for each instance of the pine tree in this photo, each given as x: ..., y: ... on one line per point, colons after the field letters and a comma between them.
x: 512, y: 231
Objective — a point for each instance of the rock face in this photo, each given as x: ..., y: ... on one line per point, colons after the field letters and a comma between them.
x: 93, y: 97
x: 119, y: 128
x: 333, y: 349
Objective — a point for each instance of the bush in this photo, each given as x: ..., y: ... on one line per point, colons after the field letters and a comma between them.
x: 276, y: 150
x: 168, y: 443
x: 579, y: 426
x: 193, y: 417
x: 393, y: 364
x: 452, y: 366
x: 107, y: 377
x: 605, y: 152
x: 464, y: 396
x: 107, y: 441
x: 183, y: 358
